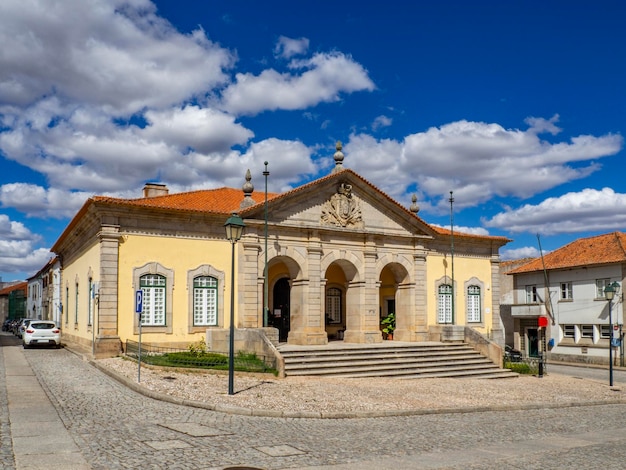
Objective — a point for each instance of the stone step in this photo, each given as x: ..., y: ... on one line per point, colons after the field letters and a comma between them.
x: 385, y: 363
x: 406, y: 360
x: 372, y: 357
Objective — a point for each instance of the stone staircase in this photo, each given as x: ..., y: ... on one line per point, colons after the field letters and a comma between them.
x: 390, y: 359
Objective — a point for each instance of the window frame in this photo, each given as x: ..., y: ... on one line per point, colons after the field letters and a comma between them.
x: 566, y: 291
x: 205, y: 305
x: 569, y: 331
x: 532, y: 297
x: 154, y: 287
x: 335, y: 316
x: 600, y: 286
x: 472, y: 310
x: 444, y: 304
x: 168, y: 274
x: 202, y: 271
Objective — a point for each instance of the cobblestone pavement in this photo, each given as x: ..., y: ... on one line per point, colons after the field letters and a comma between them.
x: 117, y: 428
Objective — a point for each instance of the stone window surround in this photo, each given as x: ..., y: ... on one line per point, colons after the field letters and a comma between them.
x: 205, y: 270
x: 474, y: 281
x: 445, y: 280
x: 168, y: 274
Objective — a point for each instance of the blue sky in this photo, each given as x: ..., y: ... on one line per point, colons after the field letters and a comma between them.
x: 519, y: 107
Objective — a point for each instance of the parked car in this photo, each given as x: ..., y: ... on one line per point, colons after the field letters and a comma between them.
x: 41, y: 332
x: 22, y: 326
x: 512, y: 355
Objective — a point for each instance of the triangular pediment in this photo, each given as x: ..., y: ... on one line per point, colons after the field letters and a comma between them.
x: 342, y: 201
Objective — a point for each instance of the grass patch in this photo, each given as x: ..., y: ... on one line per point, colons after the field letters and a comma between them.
x: 243, y: 362
x: 520, y: 367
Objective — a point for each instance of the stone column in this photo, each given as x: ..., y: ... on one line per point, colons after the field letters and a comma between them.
x: 304, y: 318
x: 107, y: 340
x: 405, y: 316
x: 362, y: 322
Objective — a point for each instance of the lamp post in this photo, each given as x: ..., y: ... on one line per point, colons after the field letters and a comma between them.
x: 234, y: 228
x: 266, y: 294
x: 452, y: 252
x: 609, y: 293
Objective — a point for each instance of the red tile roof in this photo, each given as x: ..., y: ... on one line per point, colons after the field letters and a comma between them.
x: 221, y: 200
x: 228, y: 200
x: 601, y: 249
x: 13, y: 287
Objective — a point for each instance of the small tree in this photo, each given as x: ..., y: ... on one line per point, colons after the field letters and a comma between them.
x: 389, y: 324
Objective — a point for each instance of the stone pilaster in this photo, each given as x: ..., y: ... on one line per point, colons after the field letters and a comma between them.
x: 249, y: 295
x: 107, y: 340
x: 497, y: 333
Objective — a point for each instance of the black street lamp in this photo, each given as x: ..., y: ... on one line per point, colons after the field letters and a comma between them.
x: 234, y: 228
x: 609, y: 293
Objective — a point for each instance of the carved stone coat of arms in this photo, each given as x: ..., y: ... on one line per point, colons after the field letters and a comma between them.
x: 342, y: 209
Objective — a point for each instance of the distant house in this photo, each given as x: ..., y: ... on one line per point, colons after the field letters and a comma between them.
x: 568, y: 287
x: 13, y: 300
x: 341, y: 255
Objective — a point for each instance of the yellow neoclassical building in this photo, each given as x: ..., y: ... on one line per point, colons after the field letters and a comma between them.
x: 341, y: 255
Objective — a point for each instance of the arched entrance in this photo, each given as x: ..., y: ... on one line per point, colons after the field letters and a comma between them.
x: 279, y: 317
x: 394, y: 297
x: 335, y: 303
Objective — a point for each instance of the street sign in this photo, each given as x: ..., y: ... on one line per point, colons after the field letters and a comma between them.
x: 139, y: 301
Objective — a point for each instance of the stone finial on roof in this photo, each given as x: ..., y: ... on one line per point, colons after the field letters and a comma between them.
x: 414, y: 207
x: 338, y: 157
x: 248, y: 189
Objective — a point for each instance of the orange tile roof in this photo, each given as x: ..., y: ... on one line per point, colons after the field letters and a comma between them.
x: 221, y: 200
x: 227, y: 200
x: 601, y: 249
x: 18, y: 286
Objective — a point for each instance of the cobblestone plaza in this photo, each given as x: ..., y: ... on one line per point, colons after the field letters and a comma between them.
x: 117, y: 428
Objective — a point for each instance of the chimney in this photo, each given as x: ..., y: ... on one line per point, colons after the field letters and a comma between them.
x: 155, y: 189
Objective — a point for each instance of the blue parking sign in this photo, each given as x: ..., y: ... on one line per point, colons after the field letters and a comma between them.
x: 139, y: 301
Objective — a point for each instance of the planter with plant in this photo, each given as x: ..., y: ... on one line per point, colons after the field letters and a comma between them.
x: 389, y: 325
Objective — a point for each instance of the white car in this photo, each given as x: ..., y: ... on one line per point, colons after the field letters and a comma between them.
x: 41, y: 332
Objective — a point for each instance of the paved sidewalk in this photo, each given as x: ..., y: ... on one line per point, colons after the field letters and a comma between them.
x: 38, y: 437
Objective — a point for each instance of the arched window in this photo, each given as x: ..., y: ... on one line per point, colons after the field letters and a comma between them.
x: 444, y: 304
x: 473, y: 304
x: 204, y: 301
x: 333, y: 305
x: 153, y: 287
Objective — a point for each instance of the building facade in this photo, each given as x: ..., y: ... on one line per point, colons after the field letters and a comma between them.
x: 568, y: 288
x: 340, y: 255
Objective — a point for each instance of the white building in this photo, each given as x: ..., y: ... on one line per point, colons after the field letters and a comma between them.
x: 568, y: 287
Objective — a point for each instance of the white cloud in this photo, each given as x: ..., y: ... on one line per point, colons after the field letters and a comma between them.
x: 325, y: 77
x: 114, y: 54
x: 20, y: 258
x: 11, y: 230
x: 38, y: 201
x: 380, y: 122
x: 477, y: 161
x: 587, y: 210
x: 17, y: 252
x: 467, y: 230
x: 288, y: 47
x: 520, y: 253
x: 205, y: 130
